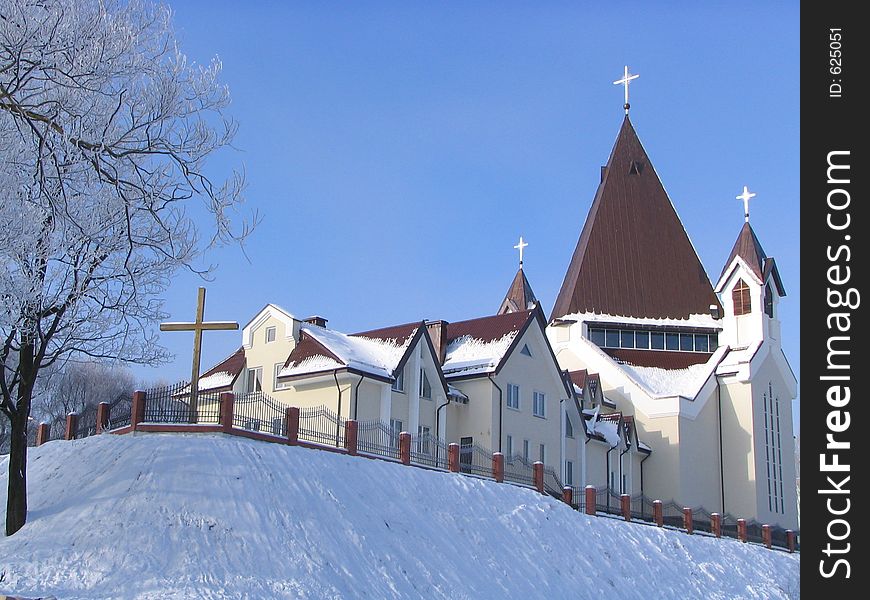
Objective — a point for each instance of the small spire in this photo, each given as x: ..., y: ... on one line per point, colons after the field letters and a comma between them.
x: 626, y: 79
x: 520, y: 247
x: 746, y: 196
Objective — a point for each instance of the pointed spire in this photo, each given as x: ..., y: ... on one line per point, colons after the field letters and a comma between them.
x: 519, y: 296
x: 634, y: 257
x: 748, y: 248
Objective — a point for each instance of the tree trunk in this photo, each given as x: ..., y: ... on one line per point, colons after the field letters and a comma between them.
x: 16, y: 500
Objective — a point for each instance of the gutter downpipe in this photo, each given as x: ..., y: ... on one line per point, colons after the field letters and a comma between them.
x: 621, y: 487
x: 609, y: 487
x: 500, y: 410
x: 356, y: 397
x: 437, y: 427
x: 338, y: 422
x: 721, y: 453
x: 646, y: 456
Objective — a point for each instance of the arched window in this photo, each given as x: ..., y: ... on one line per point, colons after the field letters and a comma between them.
x: 768, y: 301
x: 740, y: 298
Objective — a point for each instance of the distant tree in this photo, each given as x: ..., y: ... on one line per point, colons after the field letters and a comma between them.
x: 104, y: 131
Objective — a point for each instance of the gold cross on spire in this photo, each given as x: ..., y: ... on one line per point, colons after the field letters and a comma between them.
x: 520, y: 247
x: 626, y: 79
x: 197, y: 327
x: 746, y: 196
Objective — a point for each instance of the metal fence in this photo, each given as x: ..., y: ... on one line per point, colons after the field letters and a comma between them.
x: 428, y: 450
x: 87, y: 424
x: 321, y: 426
x: 171, y: 404
x: 257, y: 411
x: 375, y: 437
x: 519, y: 470
x: 475, y: 460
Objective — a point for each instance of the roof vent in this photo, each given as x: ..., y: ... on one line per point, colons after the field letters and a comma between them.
x: 636, y: 168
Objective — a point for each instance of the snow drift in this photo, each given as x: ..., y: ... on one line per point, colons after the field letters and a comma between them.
x: 209, y: 516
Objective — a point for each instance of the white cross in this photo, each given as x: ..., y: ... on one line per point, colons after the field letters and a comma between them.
x: 520, y: 247
x: 626, y: 79
x: 746, y: 196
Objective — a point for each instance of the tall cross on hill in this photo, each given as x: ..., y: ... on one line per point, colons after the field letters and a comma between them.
x: 197, y: 327
x: 626, y: 79
x: 746, y: 196
x: 520, y: 247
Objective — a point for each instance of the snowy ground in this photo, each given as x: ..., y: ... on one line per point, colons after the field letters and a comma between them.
x: 171, y: 516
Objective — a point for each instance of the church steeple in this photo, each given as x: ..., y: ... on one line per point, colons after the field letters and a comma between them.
x: 519, y: 296
x: 634, y: 258
x: 749, y: 249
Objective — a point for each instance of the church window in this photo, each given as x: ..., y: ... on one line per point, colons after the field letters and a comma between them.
x: 597, y: 337
x: 569, y: 472
x: 641, y: 339
x: 399, y: 383
x: 611, y: 338
x: 657, y: 340
x: 569, y: 428
x: 526, y: 350
x: 254, y: 380
x: 513, y: 396
x: 626, y: 339
x: 768, y: 301
x: 687, y: 342
x: 539, y: 400
x: 672, y: 341
x: 701, y: 342
x: 773, y: 451
x: 714, y: 341
x: 277, y: 384
x: 741, y: 299
x: 425, y: 386
x: 270, y: 334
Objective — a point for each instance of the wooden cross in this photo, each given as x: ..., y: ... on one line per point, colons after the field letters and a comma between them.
x: 626, y: 79
x: 197, y: 327
x: 746, y: 196
x: 520, y: 247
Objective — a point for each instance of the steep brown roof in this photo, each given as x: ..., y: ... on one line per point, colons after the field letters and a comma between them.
x: 488, y: 329
x: 578, y: 378
x: 664, y: 359
x: 232, y: 364
x: 519, y: 295
x: 399, y: 333
x: 307, y: 348
x: 634, y: 257
x: 749, y: 249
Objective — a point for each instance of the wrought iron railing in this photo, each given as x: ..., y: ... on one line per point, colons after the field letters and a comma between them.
x: 429, y: 451
x: 519, y: 470
x: 257, y: 411
x: 321, y: 426
x: 375, y: 437
x: 475, y: 460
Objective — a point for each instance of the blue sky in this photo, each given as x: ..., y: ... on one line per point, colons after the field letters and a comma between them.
x: 396, y: 150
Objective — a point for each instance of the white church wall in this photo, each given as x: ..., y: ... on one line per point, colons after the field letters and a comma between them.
x: 478, y: 418
x: 700, y: 481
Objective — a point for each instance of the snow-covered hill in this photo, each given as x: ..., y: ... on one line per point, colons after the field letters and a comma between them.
x: 173, y: 516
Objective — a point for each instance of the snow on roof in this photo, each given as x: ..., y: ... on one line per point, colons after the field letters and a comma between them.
x: 216, y: 380
x: 467, y: 355
x: 456, y: 394
x: 670, y: 382
x: 378, y: 357
x: 607, y: 429
x: 695, y: 320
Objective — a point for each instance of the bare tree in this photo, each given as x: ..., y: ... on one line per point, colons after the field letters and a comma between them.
x: 104, y: 130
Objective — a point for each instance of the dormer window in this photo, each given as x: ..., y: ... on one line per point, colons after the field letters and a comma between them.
x: 741, y: 299
x: 768, y: 301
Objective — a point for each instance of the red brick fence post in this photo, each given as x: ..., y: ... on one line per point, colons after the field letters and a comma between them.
x: 350, y: 436
x: 102, y: 417
x: 766, y: 536
x: 741, y: 530
x: 568, y: 495
x: 405, y: 447
x: 658, y: 513
x: 43, y: 433
x: 453, y: 458
x: 790, y: 540
x: 716, y: 524
x: 227, y: 400
x: 591, y: 497
x: 625, y: 504
x: 137, y: 411
x: 291, y: 420
x: 72, y: 423
x: 539, y: 476
x: 498, y: 467
x: 688, y: 525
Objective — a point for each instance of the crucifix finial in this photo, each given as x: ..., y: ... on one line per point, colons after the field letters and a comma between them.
x: 520, y: 247
x: 197, y: 327
x: 746, y: 196
x: 626, y: 79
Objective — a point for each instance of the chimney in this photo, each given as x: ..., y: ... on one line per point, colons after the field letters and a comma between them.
x: 316, y: 320
x: 438, y: 335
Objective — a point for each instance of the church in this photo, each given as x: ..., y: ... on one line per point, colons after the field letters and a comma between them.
x: 646, y: 378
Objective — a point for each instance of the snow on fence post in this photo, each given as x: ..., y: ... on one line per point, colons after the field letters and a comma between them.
x: 72, y: 422
x: 766, y: 536
x: 43, y: 433
x: 741, y: 530
x: 405, y: 447
x: 350, y: 436
x: 716, y: 524
x: 453, y: 458
x: 137, y: 411
x: 291, y: 422
x: 688, y: 525
x: 539, y: 476
x: 498, y: 467
x: 625, y: 505
x: 227, y: 400
x: 102, y: 416
x: 568, y: 495
x: 658, y: 513
x: 790, y: 540
x: 591, y: 494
